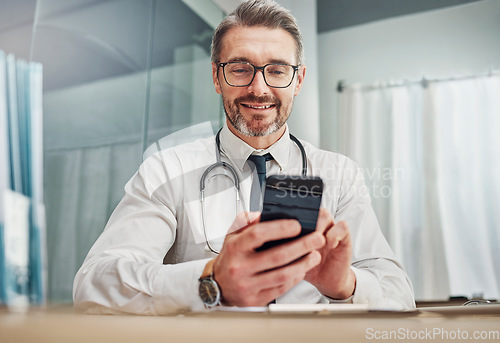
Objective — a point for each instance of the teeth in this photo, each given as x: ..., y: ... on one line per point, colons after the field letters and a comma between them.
x: 260, y: 107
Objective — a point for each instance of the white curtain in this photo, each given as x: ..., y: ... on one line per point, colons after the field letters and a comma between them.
x: 430, y: 154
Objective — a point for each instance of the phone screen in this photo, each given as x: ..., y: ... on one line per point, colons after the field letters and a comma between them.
x: 292, y: 197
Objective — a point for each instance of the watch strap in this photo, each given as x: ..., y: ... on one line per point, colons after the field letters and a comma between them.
x: 208, y: 270
x: 210, y: 292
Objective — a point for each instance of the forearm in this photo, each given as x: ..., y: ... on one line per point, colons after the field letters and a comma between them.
x: 121, y: 285
x: 382, y: 284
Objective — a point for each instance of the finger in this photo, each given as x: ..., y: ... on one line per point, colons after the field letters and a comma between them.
x: 267, y: 295
x: 338, y: 234
x: 254, y: 216
x: 243, y: 220
x: 259, y: 233
x: 286, y: 253
x: 297, y: 269
x: 325, y: 220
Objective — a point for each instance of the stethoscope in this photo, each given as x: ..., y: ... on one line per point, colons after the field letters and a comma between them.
x: 236, y: 180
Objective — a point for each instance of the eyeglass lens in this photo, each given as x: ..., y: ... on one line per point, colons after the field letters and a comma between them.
x: 242, y: 74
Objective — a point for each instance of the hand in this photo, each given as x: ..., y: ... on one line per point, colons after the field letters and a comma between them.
x: 333, y: 277
x: 250, y: 278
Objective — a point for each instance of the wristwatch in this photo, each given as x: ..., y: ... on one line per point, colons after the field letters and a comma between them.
x: 209, y: 290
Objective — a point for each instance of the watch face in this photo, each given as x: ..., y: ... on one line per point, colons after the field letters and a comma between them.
x: 209, y: 292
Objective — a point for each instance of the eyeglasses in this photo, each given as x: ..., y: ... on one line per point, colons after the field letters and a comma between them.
x: 241, y: 74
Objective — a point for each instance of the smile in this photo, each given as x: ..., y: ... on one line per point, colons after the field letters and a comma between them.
x: 258, y: 107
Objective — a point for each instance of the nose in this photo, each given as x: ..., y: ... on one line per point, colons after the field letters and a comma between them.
x: 258, y: 86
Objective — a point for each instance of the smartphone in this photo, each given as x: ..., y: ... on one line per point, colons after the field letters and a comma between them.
x: 292, y: 197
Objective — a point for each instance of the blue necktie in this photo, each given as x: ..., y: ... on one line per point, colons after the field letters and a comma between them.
x: 256, y: 194
x: 259, y: 163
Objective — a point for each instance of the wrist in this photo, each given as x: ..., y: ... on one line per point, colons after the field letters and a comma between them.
x: 347, y: 291
x: 209, y: 289
x: 208, y: 270
x: 350, y: 285
x: 215, y: 269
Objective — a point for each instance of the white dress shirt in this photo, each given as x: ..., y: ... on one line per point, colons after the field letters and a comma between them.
x: 153, y: 250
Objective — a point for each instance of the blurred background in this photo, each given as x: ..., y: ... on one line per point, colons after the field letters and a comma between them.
x: 409, y: 89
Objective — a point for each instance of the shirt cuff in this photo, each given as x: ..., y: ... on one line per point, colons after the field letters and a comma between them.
x: 368, y: 289
x: 337, y: 301
x: 176, y: 287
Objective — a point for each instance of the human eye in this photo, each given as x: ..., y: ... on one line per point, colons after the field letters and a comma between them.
x: 240, y: 69
x: 277, y: 70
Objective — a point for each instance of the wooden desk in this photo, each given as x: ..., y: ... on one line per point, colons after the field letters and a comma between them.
x: 60, y: 324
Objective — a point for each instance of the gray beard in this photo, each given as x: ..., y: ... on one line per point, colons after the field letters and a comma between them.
x: 236, y: 119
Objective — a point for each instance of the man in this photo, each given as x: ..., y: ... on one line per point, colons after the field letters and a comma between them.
x: 257, y: 67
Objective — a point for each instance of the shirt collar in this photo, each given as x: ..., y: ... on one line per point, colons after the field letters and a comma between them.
x: 238, y: 151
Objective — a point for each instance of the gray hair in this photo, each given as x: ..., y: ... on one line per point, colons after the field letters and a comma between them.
x: 265, y: 13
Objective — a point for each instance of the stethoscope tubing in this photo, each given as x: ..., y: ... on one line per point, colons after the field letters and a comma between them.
x: 235, y: 178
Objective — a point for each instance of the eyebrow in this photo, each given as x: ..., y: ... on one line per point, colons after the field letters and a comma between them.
x: 244, y: 59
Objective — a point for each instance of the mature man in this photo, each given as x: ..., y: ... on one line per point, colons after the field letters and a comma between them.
x: 157, y: 253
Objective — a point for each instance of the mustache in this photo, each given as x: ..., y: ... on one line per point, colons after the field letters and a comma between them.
x: 257, y: 99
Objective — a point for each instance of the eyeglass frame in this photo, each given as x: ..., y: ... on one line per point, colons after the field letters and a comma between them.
x: 255, y: 69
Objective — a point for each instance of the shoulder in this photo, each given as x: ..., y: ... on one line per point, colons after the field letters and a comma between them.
x: 182, y: 154
x: 184, y: 150
x: 173, y: 163
x: 320, y: 159
x: 342, y: 177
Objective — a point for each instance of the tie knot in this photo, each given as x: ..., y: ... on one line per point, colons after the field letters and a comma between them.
x: 260, y: 162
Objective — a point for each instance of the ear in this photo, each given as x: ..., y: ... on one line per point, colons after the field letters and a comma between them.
x: 215, y: 78
x: 301, y: 74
